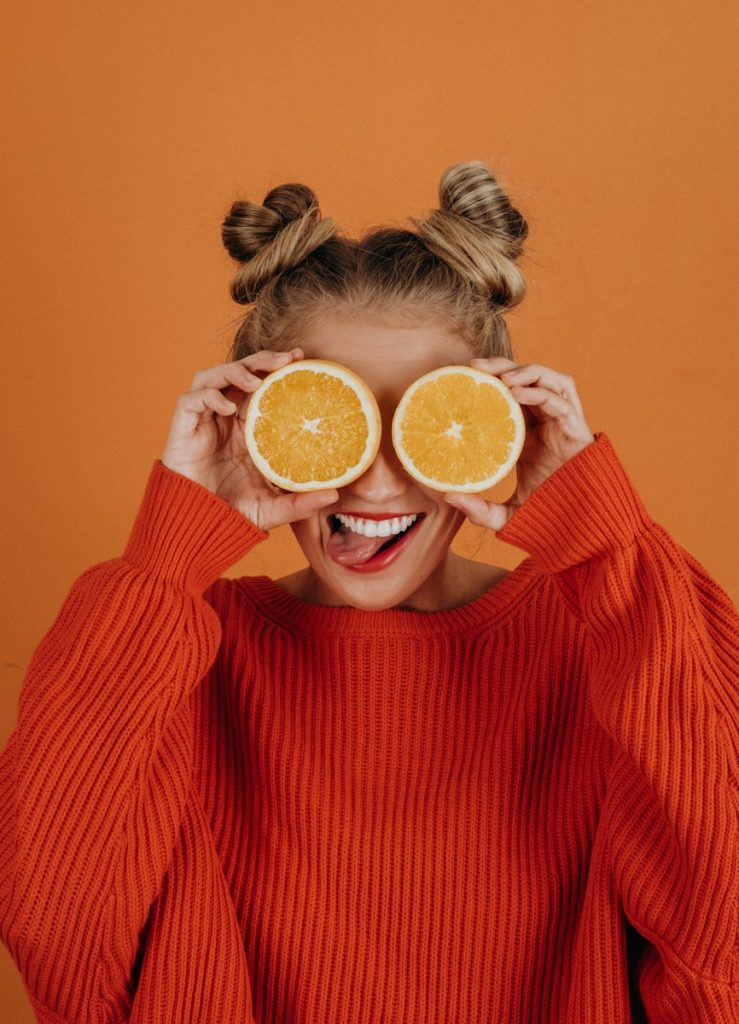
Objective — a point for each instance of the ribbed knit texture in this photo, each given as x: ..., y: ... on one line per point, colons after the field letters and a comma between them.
x: 223, y: 804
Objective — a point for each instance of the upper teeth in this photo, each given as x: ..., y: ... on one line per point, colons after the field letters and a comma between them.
x: 377, y: 528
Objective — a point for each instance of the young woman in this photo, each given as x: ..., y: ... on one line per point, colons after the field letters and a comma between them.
x: 394, y: 786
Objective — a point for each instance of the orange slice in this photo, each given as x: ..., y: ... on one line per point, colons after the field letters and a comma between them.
x: 458, y: 429
x: 312, y: 424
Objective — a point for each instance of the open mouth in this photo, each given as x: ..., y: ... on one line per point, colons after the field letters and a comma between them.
x: 337, y: 527
x: 358, y: 553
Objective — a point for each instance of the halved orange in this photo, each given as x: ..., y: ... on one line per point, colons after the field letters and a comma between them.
x: 458, y: 429
x: 312, y: 424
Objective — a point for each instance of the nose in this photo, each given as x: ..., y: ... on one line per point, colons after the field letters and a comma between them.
x: 385, y: 480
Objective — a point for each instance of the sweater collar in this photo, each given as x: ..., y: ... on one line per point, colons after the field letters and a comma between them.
x: 285, y: 609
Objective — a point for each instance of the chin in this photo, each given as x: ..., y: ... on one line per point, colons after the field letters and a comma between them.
x: 373, y: 593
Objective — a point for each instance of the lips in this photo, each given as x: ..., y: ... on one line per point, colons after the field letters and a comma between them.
x: 354, y: 550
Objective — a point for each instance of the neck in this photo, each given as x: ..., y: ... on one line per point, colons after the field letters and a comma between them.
x: 454, y: 582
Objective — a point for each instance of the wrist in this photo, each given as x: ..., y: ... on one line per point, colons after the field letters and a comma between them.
x: 185, y: 533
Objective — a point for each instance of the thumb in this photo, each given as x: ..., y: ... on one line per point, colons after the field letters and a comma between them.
x: 306, y: 503
x: 479, y: 511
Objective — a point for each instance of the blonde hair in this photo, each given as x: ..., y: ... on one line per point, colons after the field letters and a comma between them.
x: 457, y: 269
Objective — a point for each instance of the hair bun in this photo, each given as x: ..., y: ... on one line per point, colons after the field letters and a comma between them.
x: 471, y: 190
x: 274, y: 237
x: 478, y: 232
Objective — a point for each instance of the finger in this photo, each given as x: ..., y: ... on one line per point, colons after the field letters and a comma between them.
x: 544, y: 403
x: 196, y: 406
x: 532, y: 373
x: 499, y: 366
x: 267, y: 360
x: 543, y: 376
x: 496, y: 365
x: 479, y: 511
x: 237, y: 374
x: 293, y: 507
x: 236, y: 395
x: 244, y: 370
x: 234, y: 381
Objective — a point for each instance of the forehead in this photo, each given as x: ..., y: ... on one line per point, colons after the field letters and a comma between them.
x: 387, y: 356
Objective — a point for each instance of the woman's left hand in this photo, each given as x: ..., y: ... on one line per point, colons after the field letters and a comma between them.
x: 556, y: 430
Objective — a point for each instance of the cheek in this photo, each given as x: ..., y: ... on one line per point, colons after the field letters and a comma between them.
x: 443, y: 513
x: 452, y: 518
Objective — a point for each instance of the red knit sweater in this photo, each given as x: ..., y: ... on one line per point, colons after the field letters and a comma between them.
x: 223, y: 804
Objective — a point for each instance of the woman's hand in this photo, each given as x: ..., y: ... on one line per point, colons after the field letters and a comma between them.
x: 207, y: 444
x: 556, y: 430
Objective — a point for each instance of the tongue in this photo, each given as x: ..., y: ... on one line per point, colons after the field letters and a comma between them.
x: 348, y: 548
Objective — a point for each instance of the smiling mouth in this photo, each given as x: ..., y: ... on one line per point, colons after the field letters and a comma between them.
x: 337, y: 527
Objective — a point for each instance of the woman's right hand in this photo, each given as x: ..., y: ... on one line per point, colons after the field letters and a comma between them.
x: 206, y: 443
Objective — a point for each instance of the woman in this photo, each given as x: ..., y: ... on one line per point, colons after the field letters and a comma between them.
x: 434, y: 791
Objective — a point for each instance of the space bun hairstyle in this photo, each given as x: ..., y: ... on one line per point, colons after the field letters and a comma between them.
x: 270, y: 238
x: 457, y: 269
x: 478, y: 232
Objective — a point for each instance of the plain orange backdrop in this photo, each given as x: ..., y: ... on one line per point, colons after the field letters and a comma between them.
x: 128, y: 129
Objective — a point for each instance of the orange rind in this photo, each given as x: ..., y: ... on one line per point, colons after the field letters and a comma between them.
x: 458, y: 429
x: 312, y: 424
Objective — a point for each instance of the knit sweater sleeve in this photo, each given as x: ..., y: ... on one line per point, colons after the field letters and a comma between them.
x: 661, y: 645
x: 94, y: 776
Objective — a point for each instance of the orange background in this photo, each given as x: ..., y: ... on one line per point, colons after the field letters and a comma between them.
x: 128, y: 131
